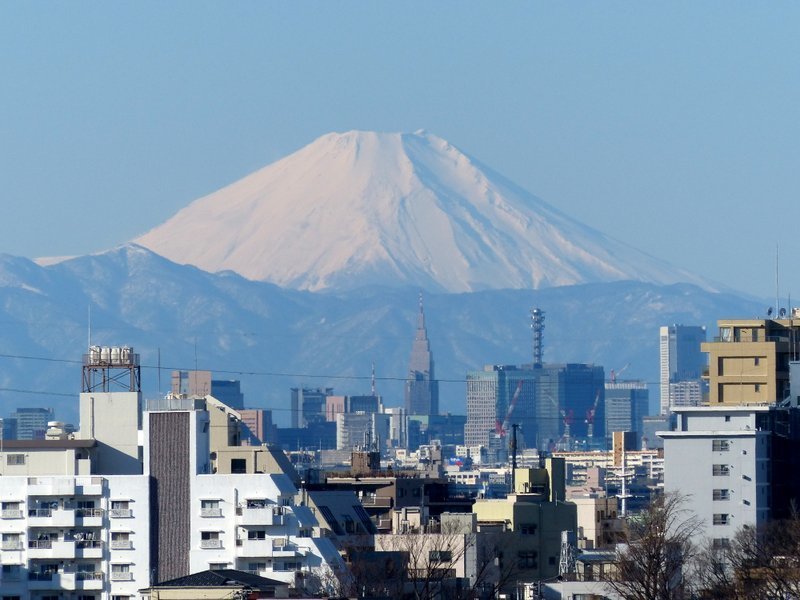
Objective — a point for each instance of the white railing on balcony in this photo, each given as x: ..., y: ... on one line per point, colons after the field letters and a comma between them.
x: 88, y: 513
x: 210, y: 512
x: 121, y: 576
x: 10, y: 545
x: 88, y: 576
x: 40, y: 512
x: 40, y: 544
x: 121, y: 544
x: 11, y: 514
x: 120, y: 513
x: 89, y: 544
x: 209, y: 544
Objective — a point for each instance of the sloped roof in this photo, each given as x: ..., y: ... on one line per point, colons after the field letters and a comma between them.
x: 222, y: 578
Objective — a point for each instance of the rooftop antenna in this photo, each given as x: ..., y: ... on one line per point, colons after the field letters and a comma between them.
x: 89, y: 308
x: 777, y: 279
x: 373, y: 378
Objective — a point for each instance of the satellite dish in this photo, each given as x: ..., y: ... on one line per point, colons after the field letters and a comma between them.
x: 769, y: 311
x: 782, y: 312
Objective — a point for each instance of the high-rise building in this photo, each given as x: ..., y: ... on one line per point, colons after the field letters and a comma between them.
x: 682, y: 360
x: 31, y: 423
x: 548, y: 402
x: 309, y: 405
x: 626, y: 406
x: 257, y: 427
x: 200, y: 383
x: 422, y: 389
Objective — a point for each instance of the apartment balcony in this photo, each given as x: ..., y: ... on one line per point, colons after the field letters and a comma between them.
x: 47, y: 581
x: 121, y: 576
x: 51, y: 486
x: 261, y: 515
x: 12, y: 514
x: 210, y: 512
x: 51, y: 517
x: 210, y: 544
x: 89, y: 549
x: 7, y: 545
x: 88, y: 580
x: 267, y: 549
x: 55, y: 549
x: 89, y: 517
x: 120, y: 513
x: 121, y: 544
x: 89, y: 486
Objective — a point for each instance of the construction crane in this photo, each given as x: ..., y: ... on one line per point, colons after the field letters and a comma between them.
x: 618, y: 373
x: 591, y: 413
x: 502, y: 428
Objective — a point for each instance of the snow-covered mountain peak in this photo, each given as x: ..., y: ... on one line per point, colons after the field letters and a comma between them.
x: 365, y: 208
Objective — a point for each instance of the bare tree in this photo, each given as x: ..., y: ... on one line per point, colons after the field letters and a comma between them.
x: 759, y: 562
x: 449, y: 561
x: 658, y: 546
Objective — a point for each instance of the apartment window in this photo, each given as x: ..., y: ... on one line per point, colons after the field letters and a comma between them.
x: 258, y: 567
x: 440, y: 556
x: 527, y: 559
x: 217, y: 566
x: 256, y: 534
x: 238, y: 465
x: 528, y: 529
x: 11, y: 572
x: 120, y: 505
x: 720, y: 543
x: 210, y: 508
x: 756, y: 361
x: 121, y: 572
x: 84, y: 504
x: 720, y: 445
x: 720, y: 519
x: 757, y: 387
x: 721, y: 495
x: 720, y: 470
x: 210, y: 539
x: 15, y: 459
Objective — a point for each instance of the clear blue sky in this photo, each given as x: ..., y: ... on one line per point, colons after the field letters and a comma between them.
x: 672, y: 126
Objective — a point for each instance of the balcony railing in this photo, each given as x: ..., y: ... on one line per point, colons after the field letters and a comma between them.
x: 11, y: 514
x: 210, y: 512
x: 121, y: 576
x: 89, y: 544
x: 88, y: 513
x: 40, y: 544
x: 121, y: 544
x: 88, y: 576
x: 11, y: 545
x: 120, y: 513
x: 43, y: 576
x: 40, y: 512
x: 210, y: 544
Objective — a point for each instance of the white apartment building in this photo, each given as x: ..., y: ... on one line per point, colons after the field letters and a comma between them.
x: 72, y: 528
x: 719, y: 460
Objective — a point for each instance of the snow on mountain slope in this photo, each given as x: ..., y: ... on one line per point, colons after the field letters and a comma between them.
x: 365, y: 208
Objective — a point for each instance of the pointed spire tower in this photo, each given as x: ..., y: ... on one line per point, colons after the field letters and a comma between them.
x: 422, y: 389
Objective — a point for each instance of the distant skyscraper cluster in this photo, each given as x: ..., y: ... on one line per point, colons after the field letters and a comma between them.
x: 682, y: 366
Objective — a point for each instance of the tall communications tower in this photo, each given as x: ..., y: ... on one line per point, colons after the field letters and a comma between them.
x: 537, y: 328
x: 107, y: 369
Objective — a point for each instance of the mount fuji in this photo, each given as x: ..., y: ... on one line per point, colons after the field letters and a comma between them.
x: 392, y: 209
